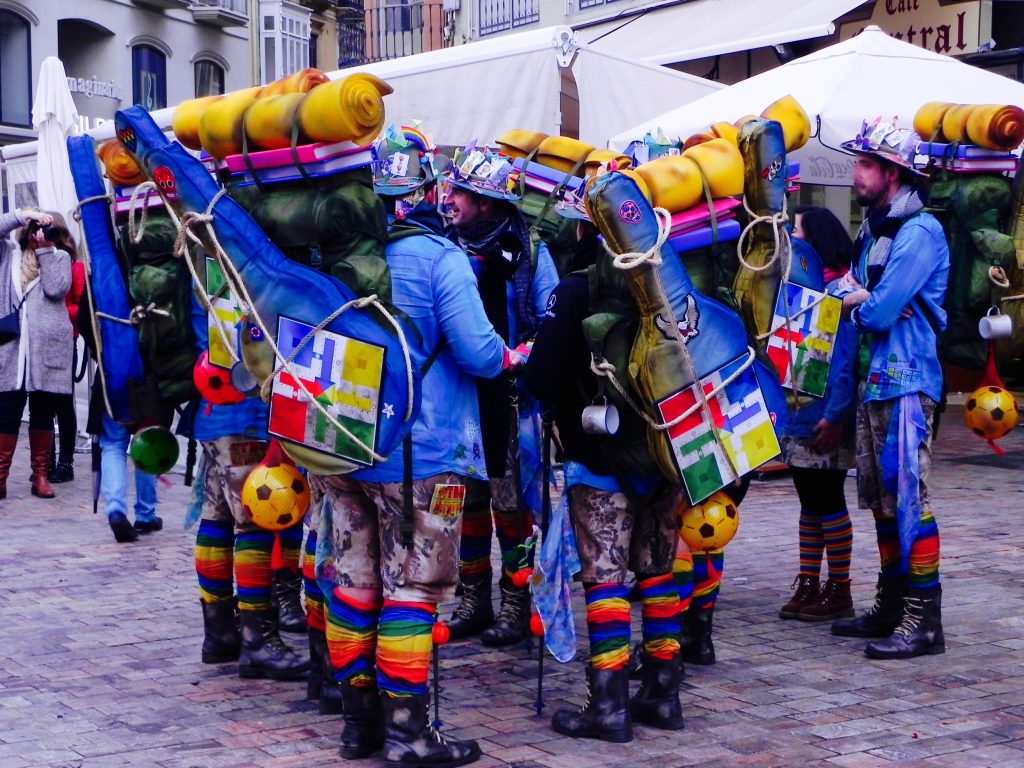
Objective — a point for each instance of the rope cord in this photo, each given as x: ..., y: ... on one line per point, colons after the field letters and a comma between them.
x: 997, y: 276
x: 652, y: 256
x: 193, y: 219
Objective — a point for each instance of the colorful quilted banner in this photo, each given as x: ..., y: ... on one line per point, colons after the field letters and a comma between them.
x: 225, y: 311
x: 801, y: 350
x: 344, y: 375
x: 740, y: 437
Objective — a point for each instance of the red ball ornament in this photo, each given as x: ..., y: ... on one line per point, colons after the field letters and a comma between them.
x: 521, y: 577
x: 214, y: 382
x: 536, y: 625
x: 440, y: 633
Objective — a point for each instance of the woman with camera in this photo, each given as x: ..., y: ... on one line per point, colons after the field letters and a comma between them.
x: 35, y: 338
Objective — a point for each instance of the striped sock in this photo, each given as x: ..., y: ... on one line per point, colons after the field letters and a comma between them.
x: 351, y: 637
x: 290, y: 541
x: 812, y: 544
x: 608, y: 624
x: 838, y: 533
x: 215, y: 544
x: 315, y: 616
x: 404, y: 641
x: 659, y: 598
x: 888, y: 546
x: 475, y: 546
x: 923, y: 563
x: 682, y: 569
x: 512, y: 528
x: 707, y: 578
x: 252, y: 569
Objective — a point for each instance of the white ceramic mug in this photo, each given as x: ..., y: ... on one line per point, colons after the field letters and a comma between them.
x: 601, y: 419
x: 995, y: 326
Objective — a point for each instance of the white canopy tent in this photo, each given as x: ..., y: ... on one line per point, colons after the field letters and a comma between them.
x: 869, y: 75
x: 479, y: 90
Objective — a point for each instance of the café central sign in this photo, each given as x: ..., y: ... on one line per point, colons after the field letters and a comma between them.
x: 942, y: 26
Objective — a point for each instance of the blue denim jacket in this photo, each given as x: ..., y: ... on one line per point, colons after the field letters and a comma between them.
x: 904, y: 358
x: 433, y: 283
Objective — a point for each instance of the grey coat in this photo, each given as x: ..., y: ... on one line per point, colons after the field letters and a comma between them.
x: 41, y: 358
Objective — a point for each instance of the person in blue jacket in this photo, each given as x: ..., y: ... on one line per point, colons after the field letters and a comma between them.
x: 515, y: 278
x: 390, y: 572
x: 894, y: 297
x: 231, y: 551
x: 818, y: 444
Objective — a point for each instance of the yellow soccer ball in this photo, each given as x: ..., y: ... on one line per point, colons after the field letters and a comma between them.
x: 990, y: 412
x: 275, y: 496
x: 711, y: 524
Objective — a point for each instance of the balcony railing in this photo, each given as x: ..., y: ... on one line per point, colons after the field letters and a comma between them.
x: 391, y: 29
x: 503, y: 15
x: 238, y: 6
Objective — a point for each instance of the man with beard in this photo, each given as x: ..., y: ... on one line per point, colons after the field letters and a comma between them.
x: 515, y: 277
x: 894, y: 296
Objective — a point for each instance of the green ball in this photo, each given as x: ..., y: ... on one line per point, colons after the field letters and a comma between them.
x: 154, y: 450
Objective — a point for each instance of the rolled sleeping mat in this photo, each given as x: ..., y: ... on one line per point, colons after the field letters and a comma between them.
x: 119, y: 166
x: 351, y: 109
x: 120, y: 359
x: 722, y: 165
x: 297, y: 82
x: 221, y: 124
x: 269, y: 121
x: 517, y: 143
x: 185, y: 123
x: 796, y: 125
x: 562, y: 153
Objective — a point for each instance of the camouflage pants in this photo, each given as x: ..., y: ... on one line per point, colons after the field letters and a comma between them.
x: 367, y: 537
x: 228, y: 462
x: 873, y: 422
x: 614, y: 535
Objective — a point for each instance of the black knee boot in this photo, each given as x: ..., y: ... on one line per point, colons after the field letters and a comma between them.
x: 656, y: 703
x: 695, y: 636
x: 320, y: 684
x: 362, y: 729
x: 221, y: 640
x: 512, y: 624
x: 409, y: 739
x: 605, y: 715
x: 288, y: 597
x: 264, y: 653
x: 919, y: 633
x: 882, y: 618
x: 474, y: 613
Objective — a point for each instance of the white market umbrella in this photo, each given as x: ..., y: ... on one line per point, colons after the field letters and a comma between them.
x: 866, y: 76
x: 55, y: 116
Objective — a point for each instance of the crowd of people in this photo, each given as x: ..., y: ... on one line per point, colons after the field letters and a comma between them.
x: 503, y: 335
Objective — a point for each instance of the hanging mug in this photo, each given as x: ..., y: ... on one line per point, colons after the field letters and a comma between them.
x: 601, y: 419
x: 995, y: 325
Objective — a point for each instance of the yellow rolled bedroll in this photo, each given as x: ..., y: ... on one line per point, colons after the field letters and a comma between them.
x: 119, y: 165
x: 351, y: 109
x: 993, y: 126
x: 269, y: 120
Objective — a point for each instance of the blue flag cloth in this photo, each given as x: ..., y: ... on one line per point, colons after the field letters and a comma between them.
x: 323, y: 559
x: 531, y: 464
x: 901, y: 471
x: 558, y: 562
x: 194, y: 511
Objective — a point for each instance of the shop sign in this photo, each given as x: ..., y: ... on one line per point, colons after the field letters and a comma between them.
x: 941, y: 26
x: 90, y: 87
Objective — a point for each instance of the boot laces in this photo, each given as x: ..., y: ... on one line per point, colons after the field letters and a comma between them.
x: 471, y: 601
x: 913, y: 615
x: 513, y: 605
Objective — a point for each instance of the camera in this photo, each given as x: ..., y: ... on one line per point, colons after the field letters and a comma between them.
x: 50, y: 232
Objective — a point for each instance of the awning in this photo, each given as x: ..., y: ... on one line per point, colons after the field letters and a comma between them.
x: 702, y: 28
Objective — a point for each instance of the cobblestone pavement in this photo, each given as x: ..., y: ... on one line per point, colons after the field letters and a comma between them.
x: 99, y: 651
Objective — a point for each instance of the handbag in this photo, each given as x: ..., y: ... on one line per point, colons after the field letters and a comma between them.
x: 10, y: 324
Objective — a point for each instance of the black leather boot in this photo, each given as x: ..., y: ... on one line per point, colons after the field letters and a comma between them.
x: 636, y: 663
x: 264, y: 654
x: 695, y: 636
x: 362, y: 727
x: 656, y: 703
x: 920, y: 632
x: 474, y: 613
x: 605, y: 714
x: 320, y: 684
x: 63, y: 472
x: 221, y: 639
x: 410, y: 740
x: 512, y: 624
x: 882, y: 618
x: 288, y: 597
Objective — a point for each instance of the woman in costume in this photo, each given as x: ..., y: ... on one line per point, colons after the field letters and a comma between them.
x: 35, y: 365
x: 818, y: 446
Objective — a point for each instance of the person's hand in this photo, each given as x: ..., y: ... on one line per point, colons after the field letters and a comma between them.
x: 516, y: 362
x: 848, y: 281
x: 854, y: 299
x: 827, y: 435
x: 31, y: 214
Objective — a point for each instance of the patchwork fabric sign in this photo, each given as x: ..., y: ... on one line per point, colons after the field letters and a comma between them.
x: 224, y: 312
x: 740, y: 424
x: 802, y: 349
x: 344, y: 375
